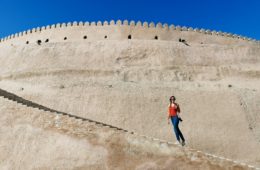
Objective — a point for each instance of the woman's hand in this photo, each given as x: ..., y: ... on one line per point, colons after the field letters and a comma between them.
x: 180, y: 118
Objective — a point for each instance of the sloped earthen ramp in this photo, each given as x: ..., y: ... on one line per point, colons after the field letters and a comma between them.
x: 122, y: 74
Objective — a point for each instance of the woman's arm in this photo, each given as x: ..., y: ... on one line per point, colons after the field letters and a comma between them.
x: 169, y: 114
x: 178, y: 112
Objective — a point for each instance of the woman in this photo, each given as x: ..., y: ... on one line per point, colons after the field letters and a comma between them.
x: 174, y: 110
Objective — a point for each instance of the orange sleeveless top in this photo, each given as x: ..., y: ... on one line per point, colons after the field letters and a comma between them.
x: 173, y: 110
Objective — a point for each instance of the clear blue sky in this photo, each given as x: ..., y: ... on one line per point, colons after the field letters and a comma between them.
x: 236, y: 16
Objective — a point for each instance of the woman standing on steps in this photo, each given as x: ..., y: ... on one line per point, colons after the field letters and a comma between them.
x: 174, y: 111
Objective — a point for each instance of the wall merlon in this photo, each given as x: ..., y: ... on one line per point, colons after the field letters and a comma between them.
x: 87, y: 24
x: 93, y: 23
x: 172, y: 27
x: 81, y: 23
x: 112, y: 22
x: 190, y: 29
x: 119, y: 22
x: 132, y: 23
x: 184, y: 28
x: 145, y: 24
x: 53, y: 26
x: 58, y: 25
x: 228, y: 35
x: 218, y: 32
x: 63, y: 25
x: 151, y: 25
x: 214, y: 32
x: 69, y: 24
x: 28, y: 31
x: 105, y: 23
x: 125, y: 22
x: 202, y: 30
x: 196, y: 30
x: 178, y: 28
x: 43, y: 28
x: 165, y: 26
x: 159, y: 25
x: 75, y: 23
x: 208, y: 31
x: 139, y: 24
x: 99, y: 23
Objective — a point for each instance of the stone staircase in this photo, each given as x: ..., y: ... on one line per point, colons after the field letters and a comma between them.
x: 135, y: 138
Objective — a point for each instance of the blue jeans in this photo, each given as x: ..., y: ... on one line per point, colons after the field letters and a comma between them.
x: 175, y: 123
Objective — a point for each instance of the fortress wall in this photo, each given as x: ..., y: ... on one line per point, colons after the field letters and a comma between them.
x: 134, y: 60
x: 129, y: 81
x: 120, y: 31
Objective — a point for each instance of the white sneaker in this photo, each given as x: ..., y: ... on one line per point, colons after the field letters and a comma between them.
x: 177, y: 143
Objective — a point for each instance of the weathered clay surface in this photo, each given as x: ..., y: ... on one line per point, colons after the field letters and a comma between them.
x: 127, y: 83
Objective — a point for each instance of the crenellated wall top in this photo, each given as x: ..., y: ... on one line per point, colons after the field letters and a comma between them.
x: 125, y: 23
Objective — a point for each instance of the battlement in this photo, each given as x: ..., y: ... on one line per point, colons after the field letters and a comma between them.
x: 121, y: 30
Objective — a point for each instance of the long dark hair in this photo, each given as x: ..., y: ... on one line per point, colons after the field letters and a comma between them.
x: 172, y: 98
